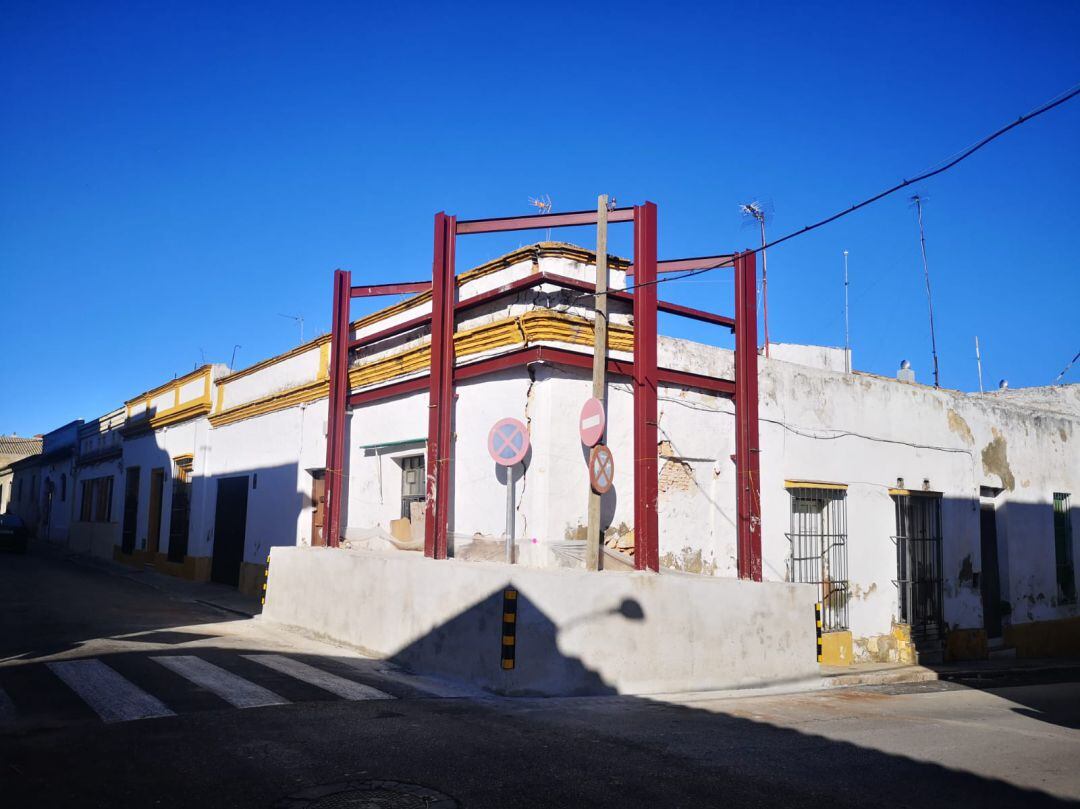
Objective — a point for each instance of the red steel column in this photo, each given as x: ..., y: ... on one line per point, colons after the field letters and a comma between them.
x: 441, y: 395
x: 747, y: 449
x: 646, y: 526
x: 338, y: 394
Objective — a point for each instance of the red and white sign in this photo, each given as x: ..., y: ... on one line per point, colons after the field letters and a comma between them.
x: 601, y: 469
x: 508, y: 442
x: 592, y: 422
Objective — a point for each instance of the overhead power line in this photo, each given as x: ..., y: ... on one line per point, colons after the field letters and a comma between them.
x: 926, y: 175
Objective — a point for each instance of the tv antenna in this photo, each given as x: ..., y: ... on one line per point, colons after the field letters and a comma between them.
x: 232, y: 360
x: 755, y: 211
x: 918, y: 201
x: 299, y: 319
x: 542, y: 204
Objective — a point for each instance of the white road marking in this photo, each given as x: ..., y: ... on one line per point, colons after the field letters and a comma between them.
x: 233, y: 689
x: 113, y: 697
x: 7, y: 707
x: 346, y: 689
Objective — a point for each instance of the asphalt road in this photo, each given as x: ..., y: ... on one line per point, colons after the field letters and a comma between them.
x: 81, y: 664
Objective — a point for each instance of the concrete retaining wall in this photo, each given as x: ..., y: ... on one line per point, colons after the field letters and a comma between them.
x: 577, y: 633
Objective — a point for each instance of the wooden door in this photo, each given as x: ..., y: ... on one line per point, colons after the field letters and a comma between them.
x: 318, y: 513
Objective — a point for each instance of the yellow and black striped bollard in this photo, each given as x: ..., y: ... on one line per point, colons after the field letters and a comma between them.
x: 509, y: 627
x: 817, y: 615
x: 266, y: 578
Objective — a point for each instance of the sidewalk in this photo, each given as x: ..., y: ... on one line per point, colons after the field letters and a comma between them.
x: 972, y: 672
x: 211, y: 594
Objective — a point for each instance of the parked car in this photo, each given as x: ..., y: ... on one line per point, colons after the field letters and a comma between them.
x: 13, y: 533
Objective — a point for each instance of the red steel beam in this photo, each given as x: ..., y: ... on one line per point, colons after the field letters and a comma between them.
x: 339, y: 388
x: 392, y: 331
x: 374, y: 290
x: 697, y: 314
x: 646, y: 523
x: 441, y: 388
x: 546, y: 220
x: 747, y: 448
x: 689, y: 264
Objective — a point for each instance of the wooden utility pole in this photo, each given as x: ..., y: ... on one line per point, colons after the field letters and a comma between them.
x: 599, y: 370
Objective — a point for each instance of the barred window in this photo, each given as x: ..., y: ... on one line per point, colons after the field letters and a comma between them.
x: 412, y: 483
x: 818, y: 538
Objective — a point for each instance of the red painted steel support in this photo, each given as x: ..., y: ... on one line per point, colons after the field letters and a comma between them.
x: 546, y: 220
x: 441, y: 395
x: 646, y: 523
x: 401, y: 288
x: 747, y: 449
x: 335, y: 423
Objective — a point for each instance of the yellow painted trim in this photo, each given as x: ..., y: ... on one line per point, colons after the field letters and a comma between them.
x: 179, y: 382
x: 814, y: 484
x: 324, y: 361
x: 176, y: 396
x: 220, y: 398
x: 535, y: 326
x: 912, y: 493
x: 186, y: 456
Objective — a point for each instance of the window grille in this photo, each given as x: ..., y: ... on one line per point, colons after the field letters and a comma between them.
x: 918, y: 562
x: 412, y: 483
x: 818, y: 554
x: 1063, y: 549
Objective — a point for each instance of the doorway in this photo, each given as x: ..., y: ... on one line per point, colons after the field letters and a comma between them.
x: 230, y: 528
x: 153, y: 529
x: 131, y: 509
x: 990, y: 580
x: 318, y: 512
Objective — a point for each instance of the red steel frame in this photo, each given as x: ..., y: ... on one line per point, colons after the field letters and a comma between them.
x: 644, y: 371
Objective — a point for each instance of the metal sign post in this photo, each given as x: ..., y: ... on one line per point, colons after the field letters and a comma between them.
x: 599, y: 380
x: 508, y: 444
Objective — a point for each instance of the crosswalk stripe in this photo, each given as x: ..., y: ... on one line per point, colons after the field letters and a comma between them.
x: 7, y: 707
x: 346, y: 689
x: 113, y: 697
x: 233, y: 689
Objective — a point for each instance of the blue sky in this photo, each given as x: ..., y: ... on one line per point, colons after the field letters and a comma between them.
x: 173, y: 176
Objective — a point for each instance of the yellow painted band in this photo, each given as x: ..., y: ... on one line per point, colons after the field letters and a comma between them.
x: 508, y: 640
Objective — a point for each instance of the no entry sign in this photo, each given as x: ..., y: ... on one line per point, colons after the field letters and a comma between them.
x: 592, y: 422
x: 508, y: 442
x: 601, y: 469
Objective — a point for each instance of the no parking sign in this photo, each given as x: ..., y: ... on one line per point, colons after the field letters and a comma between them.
x: 601, y: 469
x: 508, y: 442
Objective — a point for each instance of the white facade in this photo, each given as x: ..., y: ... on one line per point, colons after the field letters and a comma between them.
x: 872, y: 441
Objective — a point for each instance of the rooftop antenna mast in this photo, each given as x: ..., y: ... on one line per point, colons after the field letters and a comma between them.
x: 299, y: 319
x: 543, y: 206
x: 756, y: 212
x: 232, y: 359
x: 847, y: 327
x: 978, y: 362
x: 918, y: 200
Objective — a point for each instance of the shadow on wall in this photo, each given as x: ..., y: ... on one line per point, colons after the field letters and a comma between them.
x: 472, y: 646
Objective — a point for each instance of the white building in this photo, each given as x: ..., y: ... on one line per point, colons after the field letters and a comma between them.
x: 927, y: 518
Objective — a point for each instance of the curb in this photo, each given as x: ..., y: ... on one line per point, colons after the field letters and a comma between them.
x: 921, y: 674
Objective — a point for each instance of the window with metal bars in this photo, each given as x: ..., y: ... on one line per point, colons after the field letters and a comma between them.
x: 1063, y: 549
x: 918, y: 561
x: 412, y: 483
x: 818, y: 538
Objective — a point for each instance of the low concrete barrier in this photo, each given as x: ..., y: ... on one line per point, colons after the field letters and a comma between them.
x: 577, y: 632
